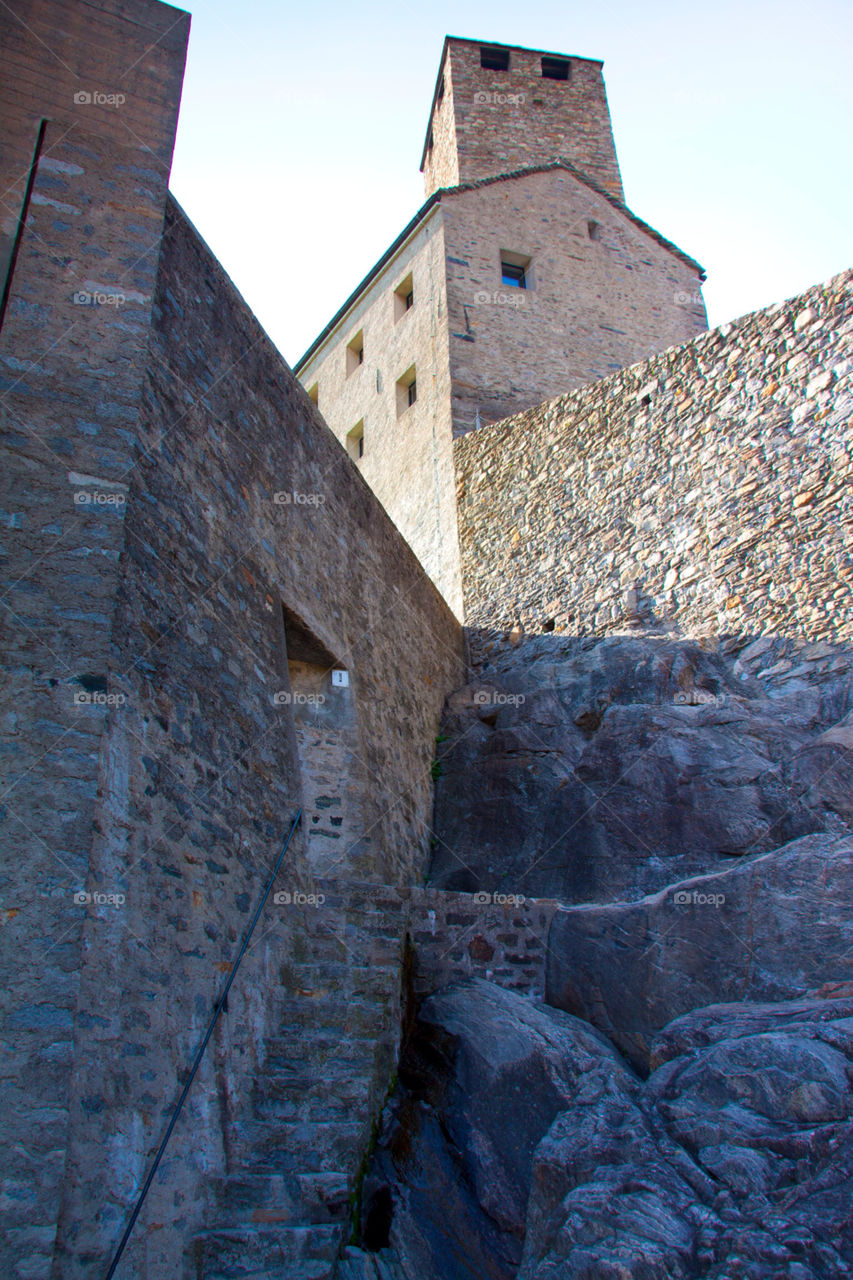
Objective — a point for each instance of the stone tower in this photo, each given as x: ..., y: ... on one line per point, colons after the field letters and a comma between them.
x: 523, y: 276
x: 497, y: 108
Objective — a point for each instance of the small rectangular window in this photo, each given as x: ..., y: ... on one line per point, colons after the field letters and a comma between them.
x: 355, y: 352
x: 515, y: 270
x: 355, y: 441
x: 494, y: 59
x: 593, y: 230
x: 555, y: 68
x: 407, y: 391
x: 404, y: 297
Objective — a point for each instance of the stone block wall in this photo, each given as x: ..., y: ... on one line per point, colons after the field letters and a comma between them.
x: 200, y: 771
x: 106, y: 83
x: 500, y: 937
x: 603, y: 291
x: 407, y: 457
x: 707, y: 490
x: 489, y: 121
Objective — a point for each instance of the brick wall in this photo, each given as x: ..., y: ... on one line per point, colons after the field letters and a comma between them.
x: 707, y: 488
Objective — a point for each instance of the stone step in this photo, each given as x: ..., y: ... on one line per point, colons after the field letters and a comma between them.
x: 275, y: 1253
x: 308, y: 1198
x: 324, y: 1146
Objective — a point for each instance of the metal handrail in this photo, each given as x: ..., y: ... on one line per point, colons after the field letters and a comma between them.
x: 198, y: 1057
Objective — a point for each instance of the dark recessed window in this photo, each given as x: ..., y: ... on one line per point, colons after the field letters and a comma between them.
x: 494, y: 59
x: 513, y: 275
x: 406, y: 391
x: 555, y: 68
x: 413, y: 392
x: 355, y: 352
x: 593, y: 230
x: 440, y: 95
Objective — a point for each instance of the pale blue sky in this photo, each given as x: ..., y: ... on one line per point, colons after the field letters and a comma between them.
x: 302, y: 125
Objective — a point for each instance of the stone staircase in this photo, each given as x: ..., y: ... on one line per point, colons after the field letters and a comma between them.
x: 283, y: 1210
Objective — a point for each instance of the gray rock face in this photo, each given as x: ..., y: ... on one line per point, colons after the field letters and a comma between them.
x: 605, y: 773
x: 771, y: 927
x: 733, y: 1161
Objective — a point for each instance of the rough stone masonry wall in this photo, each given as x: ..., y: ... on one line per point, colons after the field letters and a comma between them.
x: 71, y: 369
x: 199, y: 772
x: 708, y: 488
x: 507, y: 120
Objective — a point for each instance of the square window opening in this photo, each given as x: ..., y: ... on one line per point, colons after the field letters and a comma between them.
x: 515, y: 270
x: 404, y: 298
x: 355, y: 352
x: 494, y: 59
x: 555, y: 68
x: 355, y: 441
x: 407, y: 391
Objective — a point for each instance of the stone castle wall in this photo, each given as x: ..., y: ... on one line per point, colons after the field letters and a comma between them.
x: 602, y: 292
x: 71, y: 369
x: 200, y: 770
x: 707, y: 488
x: 491, y: 122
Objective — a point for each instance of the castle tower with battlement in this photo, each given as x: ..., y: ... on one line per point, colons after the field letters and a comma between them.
x: 523, y: 276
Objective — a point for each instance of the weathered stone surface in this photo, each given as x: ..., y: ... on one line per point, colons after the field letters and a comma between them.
x: 733, y: 1161
x: 480, y: 1083
x: 772, y: 927
x: 684, y: 477
x: 607, y: 770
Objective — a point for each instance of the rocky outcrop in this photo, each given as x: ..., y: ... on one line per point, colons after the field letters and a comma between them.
x: 771, y: 927
x: 600, y: 772
x: 518, y: 1144
x: 679, y: 1106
